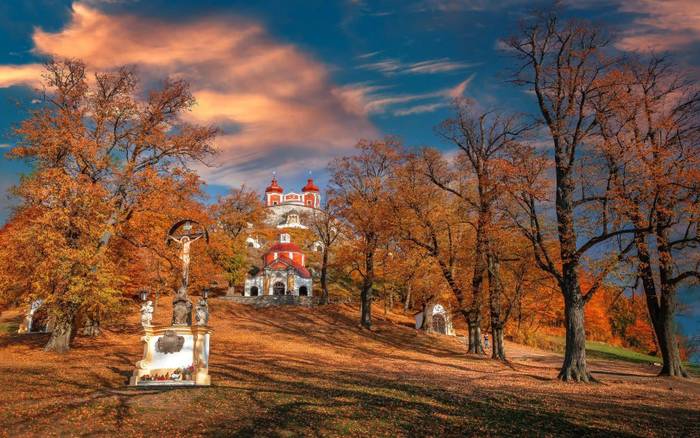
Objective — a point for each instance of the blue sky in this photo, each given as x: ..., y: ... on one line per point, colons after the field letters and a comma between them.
x: 295, y: 83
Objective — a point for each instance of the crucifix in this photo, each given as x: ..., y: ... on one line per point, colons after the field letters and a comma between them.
x: 185, y: 233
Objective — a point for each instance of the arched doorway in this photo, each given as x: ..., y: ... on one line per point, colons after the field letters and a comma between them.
x: 439, y: 323
x: 254, y: 291
x: 278, y: 288
x: 303, y: 291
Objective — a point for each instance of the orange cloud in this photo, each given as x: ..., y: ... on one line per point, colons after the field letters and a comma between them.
x: 29, y: 74
x: 277, y: 105
x: 662, y: 26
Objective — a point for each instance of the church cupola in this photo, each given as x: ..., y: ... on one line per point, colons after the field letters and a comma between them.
x: 310, y: 186
x: 273, y: 193
x: 312, y: 197
x: 274, y: 187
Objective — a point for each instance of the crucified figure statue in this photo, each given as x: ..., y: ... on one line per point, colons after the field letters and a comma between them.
x: 184, y: 233
x: 188, y: 235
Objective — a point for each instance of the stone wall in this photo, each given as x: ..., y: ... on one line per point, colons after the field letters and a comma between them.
x: 282, y: 300
x: 274, y: 300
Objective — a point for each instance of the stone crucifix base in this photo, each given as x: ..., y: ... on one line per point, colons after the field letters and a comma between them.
x: 174, y: 356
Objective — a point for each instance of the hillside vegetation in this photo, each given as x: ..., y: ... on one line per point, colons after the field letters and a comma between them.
x: 297, y: 371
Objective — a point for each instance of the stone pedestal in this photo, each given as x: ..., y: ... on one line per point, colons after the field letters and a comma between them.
x: 171, y: 348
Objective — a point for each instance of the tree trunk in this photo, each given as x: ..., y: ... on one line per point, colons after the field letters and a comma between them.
x: 366, y: 293
x: 665, y: 326
x: 475, y: 344
x: 407, y: 302
x: 366, y: 305
x: 498, y: 349
x: 427, y: 325
x: 574, y: 368
x: 474, y: 314
x: 324, y: 276
x: 495, y: 292
x: 668, y: 342
x: 61, y: 335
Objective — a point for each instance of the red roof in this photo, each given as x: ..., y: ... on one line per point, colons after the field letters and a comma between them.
x: 310, y: 186
x: 274, y: 187
x: 284, y: 247
x: 282, y: 262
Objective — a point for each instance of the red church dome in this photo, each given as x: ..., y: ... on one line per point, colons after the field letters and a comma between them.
x: 274, y: 187
x: 310, y: 186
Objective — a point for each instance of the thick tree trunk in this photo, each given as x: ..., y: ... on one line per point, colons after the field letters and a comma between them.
x: 324, y: 276
x: 575, y: 367
x: 475, y: 344
x: 665, y: 325
x: 61, y: 335
x: 668, y: 342
x: 498, y: 348
x: 366, y: 292
x: 366, y: 306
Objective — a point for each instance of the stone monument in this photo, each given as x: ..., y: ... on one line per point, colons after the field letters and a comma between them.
x: 177, y: 354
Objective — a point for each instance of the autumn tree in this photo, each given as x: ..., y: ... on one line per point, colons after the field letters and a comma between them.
x: 650, y: 129
x: 359, y: 188
x: 327, y: 228
x: 563, y: 63
x: 96, y: 137
x: 424, y: 216
x: 241, y: 209
x: 478, y: 177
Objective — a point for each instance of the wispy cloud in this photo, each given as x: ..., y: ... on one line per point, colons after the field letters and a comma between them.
x: 668, y: 25
x: 370, y: 99
x: 368, y: 55
x: 392, y: 66
x: 418, y: 109
x: 5, y: 146
x: 283, y: 102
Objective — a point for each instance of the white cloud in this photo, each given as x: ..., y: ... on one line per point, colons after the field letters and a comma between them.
x: 282, y: 102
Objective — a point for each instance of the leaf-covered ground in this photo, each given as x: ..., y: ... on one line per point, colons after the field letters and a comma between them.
x: 314, y: 372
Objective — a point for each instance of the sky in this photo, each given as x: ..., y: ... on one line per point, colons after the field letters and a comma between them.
x: 293, y: 84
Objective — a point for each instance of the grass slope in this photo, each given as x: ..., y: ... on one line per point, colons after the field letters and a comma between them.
x: 313, y: 372
x: 601, y: 350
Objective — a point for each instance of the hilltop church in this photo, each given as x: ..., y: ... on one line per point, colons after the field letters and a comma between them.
x: 284, y: 269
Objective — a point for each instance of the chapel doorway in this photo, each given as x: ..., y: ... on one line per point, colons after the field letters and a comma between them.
x: 254, y: 291
x: 439, y: 323
x: 303, y: 291
x: 278, y: 288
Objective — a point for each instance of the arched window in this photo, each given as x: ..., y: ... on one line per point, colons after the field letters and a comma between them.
x: 278, y: 288
x: 303, y: 291
x: 254, y: 291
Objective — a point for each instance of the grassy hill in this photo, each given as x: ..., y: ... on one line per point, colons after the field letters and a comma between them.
x: 313, y: 372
